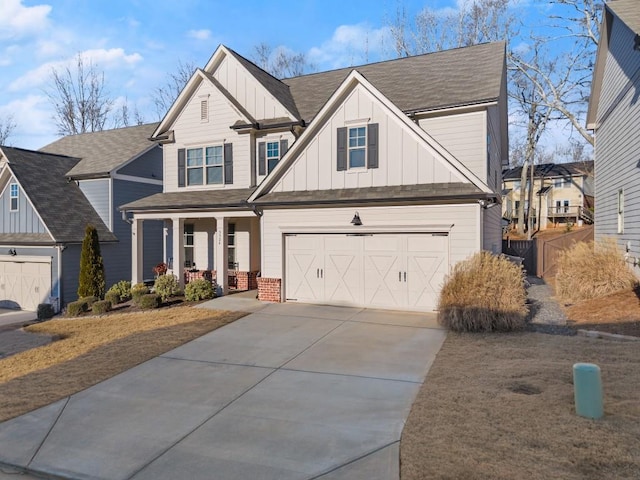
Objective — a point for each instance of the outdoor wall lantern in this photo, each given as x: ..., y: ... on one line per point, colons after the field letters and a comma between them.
x: 356, y: 220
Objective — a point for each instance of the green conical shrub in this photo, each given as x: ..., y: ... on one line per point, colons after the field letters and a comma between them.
x: 91, y: 281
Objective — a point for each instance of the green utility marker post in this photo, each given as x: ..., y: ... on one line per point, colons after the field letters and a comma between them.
x: 587, y: 387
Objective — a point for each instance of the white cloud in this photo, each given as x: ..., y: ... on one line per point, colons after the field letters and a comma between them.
x: 350, y: 45
x: 16, y: 20
x: 103, y: 59
x: 34, y: 126
x: 203, y: 34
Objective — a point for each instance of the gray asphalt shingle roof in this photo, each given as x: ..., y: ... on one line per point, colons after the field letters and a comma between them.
x: 628, y: 11
x: 549, y: 170
x: 449, y: 78
x: 102, y: 152
x: 61, y: 204
x: 223, y: 198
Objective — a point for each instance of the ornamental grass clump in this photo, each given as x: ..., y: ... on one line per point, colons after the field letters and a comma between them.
x: 485, y: 293
x: 591, y: 270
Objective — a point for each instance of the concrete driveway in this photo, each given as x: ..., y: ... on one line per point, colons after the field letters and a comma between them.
x: 289, y: 392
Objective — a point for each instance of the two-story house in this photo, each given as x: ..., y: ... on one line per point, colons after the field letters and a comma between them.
x: 48, y: 197
x: 360, y: 186
x: 563, y: 193
x: 613, y: 115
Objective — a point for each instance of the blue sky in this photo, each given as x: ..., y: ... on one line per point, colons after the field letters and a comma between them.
x: 137, y: 42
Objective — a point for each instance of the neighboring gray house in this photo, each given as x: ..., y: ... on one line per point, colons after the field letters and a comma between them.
x: 362, y: 186
x: 48, y: 197
x: 614, y: 116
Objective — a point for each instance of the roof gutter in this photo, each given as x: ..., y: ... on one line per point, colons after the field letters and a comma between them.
x: 269, y: 126
x: 453, y: 106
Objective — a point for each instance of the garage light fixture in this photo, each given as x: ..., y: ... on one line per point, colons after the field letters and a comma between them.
x: 12, y: 252
x: 356, y: 220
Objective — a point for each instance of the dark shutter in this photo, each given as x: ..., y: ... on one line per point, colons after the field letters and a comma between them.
x: 228, y: 163
x: 342, y: 149
x: 262, y: 159
x: 372, y: 145
x: 284, y: 146
x: 181, y: 167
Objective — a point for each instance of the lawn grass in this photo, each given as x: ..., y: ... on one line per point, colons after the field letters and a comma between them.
x: 92, y: 349
x: 500, y: 406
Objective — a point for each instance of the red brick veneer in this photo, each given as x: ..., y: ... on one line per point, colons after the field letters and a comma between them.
x: 269, y: 289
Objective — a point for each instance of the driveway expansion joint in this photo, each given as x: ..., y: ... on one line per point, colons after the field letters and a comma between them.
x: 66, y: 402
x: 350, y: 375
x: 361, y: 457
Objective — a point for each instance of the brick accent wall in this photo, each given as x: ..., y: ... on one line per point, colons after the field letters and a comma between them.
x: 247, y: 280
x: 269, y: 289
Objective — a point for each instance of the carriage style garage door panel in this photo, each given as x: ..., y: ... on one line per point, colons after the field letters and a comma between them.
x: 24, y: 284
x: 402, y: 271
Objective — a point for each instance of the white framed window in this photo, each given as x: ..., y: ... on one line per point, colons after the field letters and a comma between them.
x: 562, y: 206
x: 621, y: 211
x: 204, y: 110
x: 272, y: 155
x: 14, y: 193
x: 357, y: 147
x: 189, y: 261
x: 194, y: 166
x: 215, y: 165
x: 562, y: 183
x: 231, y: 247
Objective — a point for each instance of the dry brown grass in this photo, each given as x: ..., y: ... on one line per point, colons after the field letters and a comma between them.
x: 615, y: 313
x: 589, y: 270
x: 484, y: 293
x: 94, y: 349
x: 478, y: 416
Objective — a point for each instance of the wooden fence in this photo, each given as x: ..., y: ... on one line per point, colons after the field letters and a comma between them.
x: 525, y: 249
x: 548, y: 249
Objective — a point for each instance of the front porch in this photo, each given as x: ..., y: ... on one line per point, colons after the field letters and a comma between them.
x: 222, y: 247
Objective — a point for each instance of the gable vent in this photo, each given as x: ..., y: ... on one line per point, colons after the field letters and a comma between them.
x: 204, y: 110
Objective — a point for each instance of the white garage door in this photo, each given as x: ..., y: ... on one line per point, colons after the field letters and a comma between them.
x: 24, y: 284
x: 399, y: 271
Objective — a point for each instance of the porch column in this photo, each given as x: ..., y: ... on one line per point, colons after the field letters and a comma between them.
x: 178, y: 249
x: 137, y: 243
x: 220, y: 258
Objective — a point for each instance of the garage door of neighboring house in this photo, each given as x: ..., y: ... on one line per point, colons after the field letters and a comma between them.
x: 378, y: 270
x: 25, y: 284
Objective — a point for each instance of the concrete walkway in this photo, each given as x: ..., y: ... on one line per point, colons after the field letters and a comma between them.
x: 289, y: 392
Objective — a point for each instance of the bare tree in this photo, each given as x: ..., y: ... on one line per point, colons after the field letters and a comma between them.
x: 280, y: 62
x: 122, y: 117
x: 79, y: 97
x: 7, y: 126
x: 165, y: 95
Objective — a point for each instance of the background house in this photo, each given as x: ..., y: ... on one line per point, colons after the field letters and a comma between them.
x: 360, y: 186
x: 614, y: 115
x: 562, y: 193
x: 49, y: 196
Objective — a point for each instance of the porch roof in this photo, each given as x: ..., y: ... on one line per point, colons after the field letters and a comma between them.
x: 397, y: 193
x: 26, y: 239
x: 194, y: 199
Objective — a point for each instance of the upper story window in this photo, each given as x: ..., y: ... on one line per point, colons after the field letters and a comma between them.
x: 357, y: 147
x: 212, y: 165
x: 270, y: 153
x: 13, y: 197
x: 562, y: 183
x: 273, y: 155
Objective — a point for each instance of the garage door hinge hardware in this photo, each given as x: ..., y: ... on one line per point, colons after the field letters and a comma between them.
x: 292, y: 299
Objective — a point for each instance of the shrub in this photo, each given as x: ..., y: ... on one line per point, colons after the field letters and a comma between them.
x: 166, y: 286
x: 113, y: 297
x: 75, y: 309
x: 148, y: 301
x: 123, y: 289
x: 45, y: 311
x: 588, y: 270
x: 89, y: 300
x: 91, y: 281
x: 138, y: 290
x: 200, y: 289
x: 101, y: 306
x: 484, y: 293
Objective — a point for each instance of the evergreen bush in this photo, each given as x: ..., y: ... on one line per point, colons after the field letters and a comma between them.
x: 113, y: 297
x: 89, y: 300
x: 200, y: 289
x: 149, y: 301
x: 101, y: 306
x: 45, y: 311
x: 138, y: 290
x: 166, y: 286
x: 77, y: 308
x: 91, y: 281
x: 123, y: 289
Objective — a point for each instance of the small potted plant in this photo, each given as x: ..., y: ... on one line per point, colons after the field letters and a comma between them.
x: 160, y: 269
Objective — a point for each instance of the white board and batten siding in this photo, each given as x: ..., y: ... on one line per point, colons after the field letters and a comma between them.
x: 192, y: 132
x: 454, y: 230
x: 404, y: 159
x: 618, y: 144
